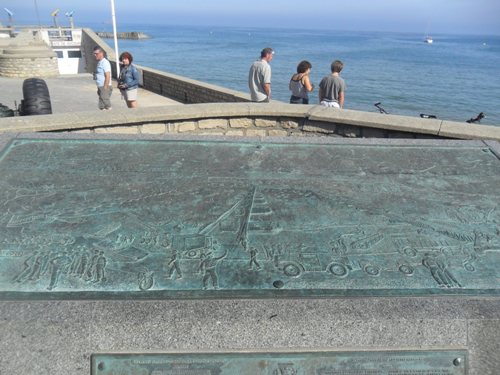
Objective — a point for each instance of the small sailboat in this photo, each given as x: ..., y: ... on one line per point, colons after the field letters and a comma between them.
x: 428, y: 38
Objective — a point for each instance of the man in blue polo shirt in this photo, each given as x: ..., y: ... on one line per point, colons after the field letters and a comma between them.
x: 102, y: 78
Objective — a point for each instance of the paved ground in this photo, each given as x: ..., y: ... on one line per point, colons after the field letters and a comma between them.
x: 74, y: 93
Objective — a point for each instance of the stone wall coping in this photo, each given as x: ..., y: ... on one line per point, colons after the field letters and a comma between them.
x: 98, y: 41
x: 376, y: 120
x: 93, y: 119
x: 462, y: 130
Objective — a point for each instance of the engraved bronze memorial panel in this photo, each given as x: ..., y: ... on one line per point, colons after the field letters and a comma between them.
x: 446, y: 362
x: 186, y: 219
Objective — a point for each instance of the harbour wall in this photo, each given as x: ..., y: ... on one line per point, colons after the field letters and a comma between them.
x: 134, y: 35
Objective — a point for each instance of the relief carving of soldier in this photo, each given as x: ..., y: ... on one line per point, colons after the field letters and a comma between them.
x: 208, y: 267
x: 59, y: 264
x: 439, y: 271
x: 253, y: 259
x: 174, y: 267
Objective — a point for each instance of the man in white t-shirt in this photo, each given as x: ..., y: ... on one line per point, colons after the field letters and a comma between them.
x: 259, y: 77
x: 102, y: 78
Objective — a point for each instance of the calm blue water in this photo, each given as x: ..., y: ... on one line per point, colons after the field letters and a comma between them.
x: 455, y: 78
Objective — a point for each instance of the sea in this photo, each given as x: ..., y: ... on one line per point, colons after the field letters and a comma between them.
x: 454, y: 78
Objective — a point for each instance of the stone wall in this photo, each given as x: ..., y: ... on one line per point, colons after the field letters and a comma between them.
x: 187, y: 90
x: 176, y: 87
x: 90, y: 40
x: 251, y: 119
x: 25, y: 67
x: 253, y: 127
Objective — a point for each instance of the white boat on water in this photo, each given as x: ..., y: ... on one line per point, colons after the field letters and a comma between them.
x: 428, y: 40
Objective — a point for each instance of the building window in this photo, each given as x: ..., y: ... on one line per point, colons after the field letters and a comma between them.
x: 74, y: 54
x: 59, y: 54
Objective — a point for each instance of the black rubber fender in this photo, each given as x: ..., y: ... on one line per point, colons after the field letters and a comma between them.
x: 36, y: 98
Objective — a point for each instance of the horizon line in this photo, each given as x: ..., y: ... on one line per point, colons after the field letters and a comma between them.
x: 273, y: 27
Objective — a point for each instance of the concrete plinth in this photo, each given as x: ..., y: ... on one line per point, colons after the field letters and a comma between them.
x: 28, y: 56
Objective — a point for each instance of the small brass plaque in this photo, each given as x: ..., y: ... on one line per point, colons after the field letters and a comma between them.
x: 437, y: 362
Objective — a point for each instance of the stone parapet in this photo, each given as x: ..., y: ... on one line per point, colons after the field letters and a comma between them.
x: 187, y: 90
x: 251, y: 119
x: 182, y: 89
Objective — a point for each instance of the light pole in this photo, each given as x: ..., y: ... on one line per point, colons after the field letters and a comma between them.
x: 37, y: 15
x: 113, y: 16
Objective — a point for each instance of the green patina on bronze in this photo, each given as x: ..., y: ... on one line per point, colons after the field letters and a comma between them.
x: 449, y: 362
x: 173, y: 219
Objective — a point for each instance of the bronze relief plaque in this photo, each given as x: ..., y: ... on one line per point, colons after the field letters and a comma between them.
x: 186, y: 219
x: 445, y: 362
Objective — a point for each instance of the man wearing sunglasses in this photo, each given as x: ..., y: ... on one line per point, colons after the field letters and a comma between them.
x: 102, y: 78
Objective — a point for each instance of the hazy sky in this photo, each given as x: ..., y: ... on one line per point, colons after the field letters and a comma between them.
x: 423, y: 16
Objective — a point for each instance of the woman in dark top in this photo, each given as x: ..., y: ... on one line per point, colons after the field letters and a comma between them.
x: 300, y: 85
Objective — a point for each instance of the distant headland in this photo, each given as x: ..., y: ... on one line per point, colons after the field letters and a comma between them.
x: 125, y: 35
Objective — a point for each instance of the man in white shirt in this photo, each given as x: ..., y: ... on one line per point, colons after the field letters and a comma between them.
x: 259, y: 77
x: 102, y: 78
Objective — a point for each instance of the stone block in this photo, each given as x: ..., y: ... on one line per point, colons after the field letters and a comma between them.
x: 240, y: 122
x: 235, y: 133
x: 100, y: 130
x: 119, y: 130
x: 265, y: 123
x: 277, y: 133
x: 256, y: 133
x: 153, y: 129
x: 348, y: 131
x: 171, y: 128
x: 319, y: 127
x: 289, y: 124
x: 211, y: 133
x: 212, y: 124
x: 186, y: 126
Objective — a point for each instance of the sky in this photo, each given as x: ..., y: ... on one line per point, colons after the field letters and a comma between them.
x: 420, y: 16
